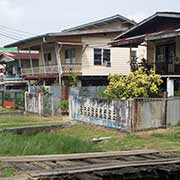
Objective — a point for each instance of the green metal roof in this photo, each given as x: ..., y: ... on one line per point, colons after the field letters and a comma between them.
x: 8, y: 49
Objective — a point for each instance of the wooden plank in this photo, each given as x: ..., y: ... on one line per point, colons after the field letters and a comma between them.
x: 101, y: 167
x: 75, y: 156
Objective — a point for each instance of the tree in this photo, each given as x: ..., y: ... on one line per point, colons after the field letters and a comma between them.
x: 140, y: 83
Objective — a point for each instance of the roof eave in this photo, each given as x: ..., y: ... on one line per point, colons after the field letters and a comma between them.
x: 157, y: 14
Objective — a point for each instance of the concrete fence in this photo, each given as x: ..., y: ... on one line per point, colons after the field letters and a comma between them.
x: 41, y: 104
x: 126, y: 115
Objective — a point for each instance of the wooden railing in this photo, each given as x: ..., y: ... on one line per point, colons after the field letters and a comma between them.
x: 50, y: 70
x: 71, y: 68
x: 40, y: 70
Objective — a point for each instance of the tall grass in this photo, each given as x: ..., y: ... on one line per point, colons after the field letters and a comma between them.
x: 42, y: 144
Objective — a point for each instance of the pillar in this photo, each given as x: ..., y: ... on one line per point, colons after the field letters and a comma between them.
x: 170, y: 87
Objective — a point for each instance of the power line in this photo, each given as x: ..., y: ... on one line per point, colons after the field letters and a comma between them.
x: 8, y: 36
x: 12, y: 34
x: 17, y: 30
x: 19, y: 35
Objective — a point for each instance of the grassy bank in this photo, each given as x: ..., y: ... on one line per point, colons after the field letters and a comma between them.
x: 78, y: 139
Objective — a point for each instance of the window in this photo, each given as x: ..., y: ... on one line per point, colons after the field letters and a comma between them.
x: 102, y: 56
x: 47, y: 58
x: 70, y: 56
x: 166, y: 53
x: 97, y: 56
x: 171, y: 53
x: 133, y: 57
x: 106, y: 56
x: 160, y: 54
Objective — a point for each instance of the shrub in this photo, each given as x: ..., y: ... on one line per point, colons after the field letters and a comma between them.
x: 64, y: 105
x: 140, y: 83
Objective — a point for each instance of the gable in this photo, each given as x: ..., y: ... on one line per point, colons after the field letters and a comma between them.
x: 157, y: 23
x: 116, y: 22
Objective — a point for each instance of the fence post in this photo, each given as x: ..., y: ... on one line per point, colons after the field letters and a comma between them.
x: 39, y: 104
x: 131, y: 110
x: 52, y: 106
x: 165, y: 112
x: 25, y: 101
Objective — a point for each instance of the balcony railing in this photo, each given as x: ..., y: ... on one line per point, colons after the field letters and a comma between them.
x: 51, y: 70
x: 40, y: 70
x: 71, y: 68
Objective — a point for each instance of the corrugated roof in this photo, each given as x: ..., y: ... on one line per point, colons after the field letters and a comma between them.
x: 20, y: 55
x: 73, y: 32
x: 104, y: 20
x: 157, y: 14
x: 62, y: 34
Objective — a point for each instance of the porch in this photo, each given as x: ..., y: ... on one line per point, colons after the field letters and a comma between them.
x: 56, y: 59
x: 51, y: 70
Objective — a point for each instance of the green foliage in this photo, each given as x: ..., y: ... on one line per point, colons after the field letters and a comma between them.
x: 73, y: 79
x: 100, y: 92
x: 64, y: 105
x: 140, y: 83
x: 7, y: 172
x: 19, y: 101
x: 177, y: 93
x: 45, y: 91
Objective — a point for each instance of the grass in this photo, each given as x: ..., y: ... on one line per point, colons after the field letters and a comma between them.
x: 78, y: 138
x: 42, y: 143
x: 20, y: 120
x: 2, y: 109
x: 7, y: 172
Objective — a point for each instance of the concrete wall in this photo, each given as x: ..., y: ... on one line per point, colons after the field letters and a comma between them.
x: 101, y: 112
x: 126, y: 115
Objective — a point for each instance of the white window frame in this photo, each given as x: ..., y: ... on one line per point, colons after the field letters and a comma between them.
x: 102, y: 56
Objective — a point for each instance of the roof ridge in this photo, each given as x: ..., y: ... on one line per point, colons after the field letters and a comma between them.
x: 99, y: 21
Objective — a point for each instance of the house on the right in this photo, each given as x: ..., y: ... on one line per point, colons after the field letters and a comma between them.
x: 160, y: 36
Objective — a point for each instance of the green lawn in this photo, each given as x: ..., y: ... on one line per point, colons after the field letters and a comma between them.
x: 20, y: 120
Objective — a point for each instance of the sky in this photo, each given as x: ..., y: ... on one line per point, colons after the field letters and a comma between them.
x: 43, y: 16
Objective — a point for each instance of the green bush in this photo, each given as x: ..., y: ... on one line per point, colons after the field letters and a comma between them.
x: 64, y: 105
x: 140, y: 83
x: 177, y: 93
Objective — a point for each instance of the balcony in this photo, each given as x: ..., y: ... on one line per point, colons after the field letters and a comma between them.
x: 71, y: 68
x: 51, y: 71
x: 40, y: 70
x: 167, y: 69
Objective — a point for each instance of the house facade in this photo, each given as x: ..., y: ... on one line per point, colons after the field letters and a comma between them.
x: 11, y: 63
x: 81, y: 50
x: 160, y: 36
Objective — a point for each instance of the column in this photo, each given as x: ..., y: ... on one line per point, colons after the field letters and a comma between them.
x: 170, y: 87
